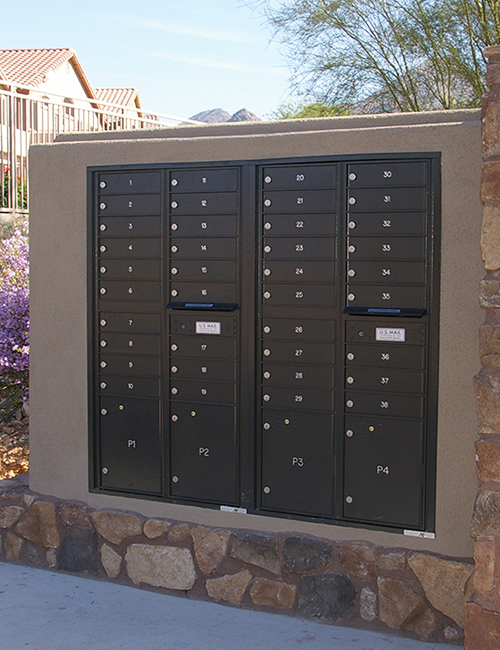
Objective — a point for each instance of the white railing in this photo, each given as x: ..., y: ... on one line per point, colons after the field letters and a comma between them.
x: 26, y: 118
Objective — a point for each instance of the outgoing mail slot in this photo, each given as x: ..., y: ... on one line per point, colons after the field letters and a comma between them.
x: 129, y: 445
x: 383, y: 404
x: 387, y: 174
x: 386, y: 248
x: 204, y: 203
x: 298, y: 352
x: 388, y: 273
x: 202, y: 347
x: 298, y: 177
x: 128, y: 364
x: 116, y: 290
x: 125, y: 205
x: 385, y: 380
x: 129, y: 343
x: 132, y: 386
x: 203, y: 292
x: 203, y: 248
x: 387, y: 223
x: 307, y: 271
x: 129, y: 322
x: 298, y: 226
x: 125, y: 269
x: 309, y: 399
x: 300, y: 248
x: 209, y: 370
x: 203, y: 270
x: 388, y: 454
x: 299, y: 202
x: 130, y: 227
x: 209, y: 226
x: 127, y: 249
x: 386, y: 355
x: 387, y: 199
x: 203, y: 453
x: 299, y: 294
x: 204, y: 180
x: 297, y: 375
x: 129, y: 183
x: 386, y: 296
x: 297, y: 468
x: 200, y: 391
x: 298, y: 329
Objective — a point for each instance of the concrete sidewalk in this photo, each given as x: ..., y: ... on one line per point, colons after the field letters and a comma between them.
x: 42, y: 610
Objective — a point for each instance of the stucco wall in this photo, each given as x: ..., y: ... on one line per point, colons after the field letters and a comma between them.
x: 59, y: 432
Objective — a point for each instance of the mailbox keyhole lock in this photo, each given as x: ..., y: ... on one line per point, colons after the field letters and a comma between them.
x: 349, y: 433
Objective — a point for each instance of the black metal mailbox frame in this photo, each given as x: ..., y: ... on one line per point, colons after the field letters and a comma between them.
x: 258, y: 217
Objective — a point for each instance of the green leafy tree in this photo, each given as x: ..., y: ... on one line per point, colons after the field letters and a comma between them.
x: 386, y: 55
x: 297, y: 110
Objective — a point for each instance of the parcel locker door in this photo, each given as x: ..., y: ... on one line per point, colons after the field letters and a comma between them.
x: 297, y: 462
x: 383, y: 480
x: 129, y: 445
x: 203, y: 453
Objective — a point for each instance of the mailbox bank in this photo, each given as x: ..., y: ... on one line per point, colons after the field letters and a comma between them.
x: 265, y: 335
x: 261, y: 328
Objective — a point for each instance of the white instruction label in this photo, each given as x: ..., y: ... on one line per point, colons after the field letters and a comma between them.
x: 395, y: 334
x: 207, y: 327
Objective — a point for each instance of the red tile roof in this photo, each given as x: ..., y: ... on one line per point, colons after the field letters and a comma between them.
x: 123, y: 96
x: 31, y: 67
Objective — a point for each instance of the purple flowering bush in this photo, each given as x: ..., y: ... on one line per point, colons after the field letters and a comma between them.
x: 14, y: 321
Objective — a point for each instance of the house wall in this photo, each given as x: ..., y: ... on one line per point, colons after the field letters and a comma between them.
x: 62, y: 81
x: 59, y: 420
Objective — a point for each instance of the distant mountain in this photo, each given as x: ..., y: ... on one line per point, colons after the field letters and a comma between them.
x: 217, y: 116
x: 212, y: 116
x: 244, y: 115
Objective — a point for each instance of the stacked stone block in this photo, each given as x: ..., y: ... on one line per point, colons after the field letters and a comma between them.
x: 350, y: 583
x: 483, y: 609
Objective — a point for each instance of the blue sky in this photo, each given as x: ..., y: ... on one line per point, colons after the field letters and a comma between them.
x: 184, y: 57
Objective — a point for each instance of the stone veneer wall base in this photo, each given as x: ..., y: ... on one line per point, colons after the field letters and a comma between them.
x: 351, y: 583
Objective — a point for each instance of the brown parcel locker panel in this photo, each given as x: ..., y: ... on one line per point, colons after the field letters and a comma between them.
x: 265, y: 336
